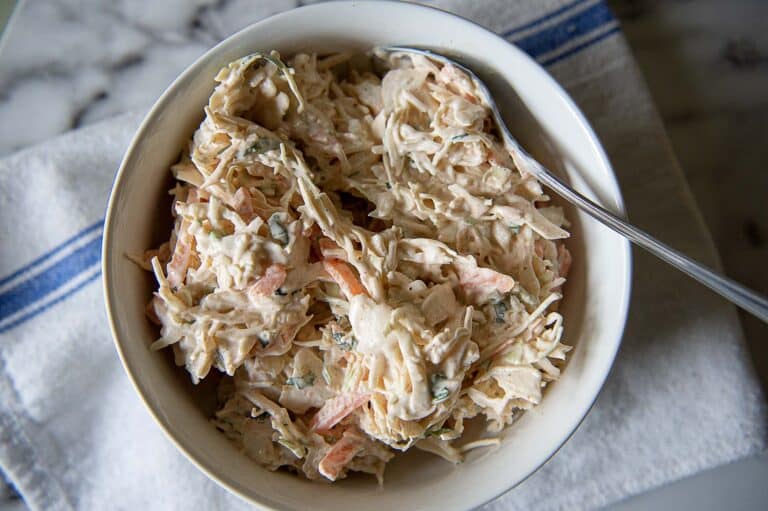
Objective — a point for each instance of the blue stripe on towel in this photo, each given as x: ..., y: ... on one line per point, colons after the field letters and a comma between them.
x: 52, y: 252
x: 582, y: 46
x: 47, y: 305
x: 30, y: 290
x: 541, y: 20
x: 553, y: 37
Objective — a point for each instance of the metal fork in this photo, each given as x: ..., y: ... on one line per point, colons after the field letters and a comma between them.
x: 730, y: 290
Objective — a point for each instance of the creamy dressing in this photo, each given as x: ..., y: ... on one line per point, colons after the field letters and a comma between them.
x: 362, y: 260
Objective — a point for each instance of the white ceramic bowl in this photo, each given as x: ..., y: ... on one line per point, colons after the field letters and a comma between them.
x: 543, y: 118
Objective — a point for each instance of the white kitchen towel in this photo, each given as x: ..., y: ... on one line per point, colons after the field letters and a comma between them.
x: 681, y: 398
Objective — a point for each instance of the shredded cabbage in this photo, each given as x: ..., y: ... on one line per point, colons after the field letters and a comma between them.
x: 363, y: 261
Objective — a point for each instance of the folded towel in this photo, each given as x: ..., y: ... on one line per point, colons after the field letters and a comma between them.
x: 681, y: 398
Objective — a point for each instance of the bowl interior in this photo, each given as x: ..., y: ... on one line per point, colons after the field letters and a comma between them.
x: 539, y: 114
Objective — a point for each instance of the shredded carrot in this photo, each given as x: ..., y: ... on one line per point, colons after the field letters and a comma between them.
x: 481, y: 278
x: 270, y: 282
x: 326, y: 246
x: 244, y: 204
x: 334, y: 410
x: 182, y: 254
x: 344, y: 276
x: 340, y: 454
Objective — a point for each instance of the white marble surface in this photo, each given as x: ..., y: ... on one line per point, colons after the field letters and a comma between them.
x: 66, y: 63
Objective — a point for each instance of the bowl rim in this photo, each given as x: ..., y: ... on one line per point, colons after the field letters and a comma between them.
x: 159, y: 105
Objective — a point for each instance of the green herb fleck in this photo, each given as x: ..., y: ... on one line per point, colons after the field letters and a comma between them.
x: 388, y: 185
x: 500, y: 310
x: 459, y: 137
x: 437, y: 432
x: 345, y: 343
x: 276, y: 61
x: 216, y: 234
x: 441, y: 395
x: 439, y: 391
x: 515, y: 229
x: 277, y: 230
x: 301, y: 382
x: 263, y: 145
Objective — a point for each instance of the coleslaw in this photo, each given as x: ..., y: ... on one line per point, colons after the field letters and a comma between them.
x: 362, y: 260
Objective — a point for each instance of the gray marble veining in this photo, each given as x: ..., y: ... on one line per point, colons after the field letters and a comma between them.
x: 66, y: 63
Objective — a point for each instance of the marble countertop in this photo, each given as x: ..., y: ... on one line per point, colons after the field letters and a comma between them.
x: 95, y: 59
x: 68, y: 63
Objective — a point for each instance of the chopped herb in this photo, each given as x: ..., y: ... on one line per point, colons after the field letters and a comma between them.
x: 263, y: 145
x: 459, y: 137
x: 301, y: 382
x: 388, y: 185
x: 441, y: 395
x: 500, y: 310
x: 515, y: 229
x: 439, y: 391
x: 276, y: 61
x: 216, y: 234
x: 470, y: 221
x: 437, y: 432
x: 276, y: 229
x: 297, y: 450
x: 345, y: 343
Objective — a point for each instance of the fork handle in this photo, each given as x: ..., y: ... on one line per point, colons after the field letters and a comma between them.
x: 738, y: 294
